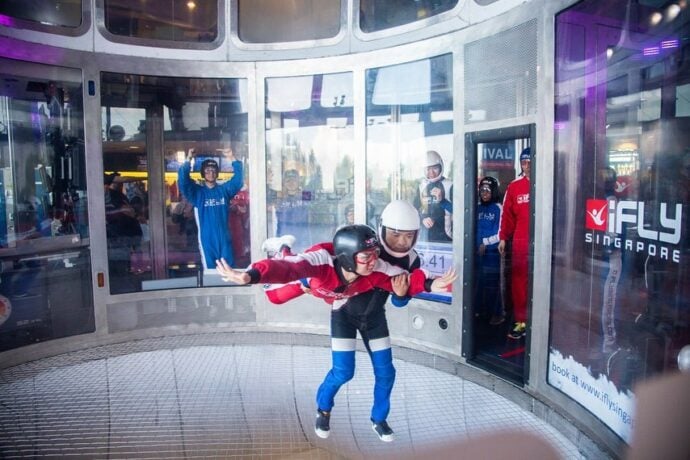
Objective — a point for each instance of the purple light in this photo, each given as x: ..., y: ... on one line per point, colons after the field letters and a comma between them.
x: 666, y: 44
x: 7, y: 21
x: 559, y: 125
x: 650, y: 51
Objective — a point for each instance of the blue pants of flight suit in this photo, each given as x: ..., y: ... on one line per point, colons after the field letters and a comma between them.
x: 373, y: 328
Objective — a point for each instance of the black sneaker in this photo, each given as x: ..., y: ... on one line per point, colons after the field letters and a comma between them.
x: 322, y: 426
x: 383, y: 431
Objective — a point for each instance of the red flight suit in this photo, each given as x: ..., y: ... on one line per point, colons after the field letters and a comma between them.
x: 515, y: 226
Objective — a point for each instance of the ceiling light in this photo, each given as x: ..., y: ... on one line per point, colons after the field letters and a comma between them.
x: 655, y: 18
x: 672, y: 11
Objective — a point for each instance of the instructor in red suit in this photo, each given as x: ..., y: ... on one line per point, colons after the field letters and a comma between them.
x: 515, y: 227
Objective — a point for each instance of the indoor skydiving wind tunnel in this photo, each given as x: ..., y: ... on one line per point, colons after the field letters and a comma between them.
x: 543, y: 145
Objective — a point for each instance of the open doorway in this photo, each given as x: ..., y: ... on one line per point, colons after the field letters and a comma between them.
x: 498, y: 233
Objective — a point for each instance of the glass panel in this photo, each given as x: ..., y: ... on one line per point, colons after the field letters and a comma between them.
x: 125, y: 181
x: 275, y: 21
x: 42, y: 161
x: 65, y: 13
x: 501, y: 281
x: 410, y: 151
x: 309, y: 160
x: 621, y: 286
x: 156, y: 198
x: 383, y: 14
x: 45, y: 280
x: 172, y: 20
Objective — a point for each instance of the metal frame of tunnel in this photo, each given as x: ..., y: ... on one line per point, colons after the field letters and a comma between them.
x: 482, y: 347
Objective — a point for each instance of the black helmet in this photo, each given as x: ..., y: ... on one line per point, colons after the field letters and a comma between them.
x: 492, y: 183
x: 209, y: 163
x: 351, y: 239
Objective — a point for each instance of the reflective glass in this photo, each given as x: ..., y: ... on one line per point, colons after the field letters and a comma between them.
x: 276, y: 21
x: 383, y: 14
x: 171, y: 20
x: 499, y: 295
x: 309, y: 156
x: 156, y: 198
x: 621, y: 265
x: 65, y: 13
x: 45, y: 275
x: 410, y: 151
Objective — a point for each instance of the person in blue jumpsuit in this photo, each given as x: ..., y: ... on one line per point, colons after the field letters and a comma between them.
x: 366, y: 313
x: 487, y: 258
x: 211, y: 204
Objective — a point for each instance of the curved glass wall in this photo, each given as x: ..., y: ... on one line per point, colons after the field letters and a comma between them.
x: 277, y: 21
x: 45, y: 270
x: 375, y: 15
x: 409, y: 116
x: 63, y: 13
x: 166, y: 20
x: 159, y: 133
x: 620, y: 210
x: 70, y: 18
x: 309, y: 156
x: 621, y: 261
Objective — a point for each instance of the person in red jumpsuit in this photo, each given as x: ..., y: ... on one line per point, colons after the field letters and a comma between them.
x: 337, y: 271
x: 515, y: 227
x: 238, y: 225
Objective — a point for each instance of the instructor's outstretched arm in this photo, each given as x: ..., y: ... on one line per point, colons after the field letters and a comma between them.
x: 445, y: 282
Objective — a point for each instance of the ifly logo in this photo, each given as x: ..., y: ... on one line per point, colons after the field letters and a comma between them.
x: 597, y: 212
x: 610, y: 216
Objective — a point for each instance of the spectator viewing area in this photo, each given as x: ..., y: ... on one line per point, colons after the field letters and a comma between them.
x: 345, y: 229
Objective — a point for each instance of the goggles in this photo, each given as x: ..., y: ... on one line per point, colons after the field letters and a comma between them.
x: 364, y: 257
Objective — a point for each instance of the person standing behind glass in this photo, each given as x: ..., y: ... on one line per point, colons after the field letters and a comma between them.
x: 488, y: 260
x: 211, y: 203
x: 515, y: 227
x: 613, y: 261
x: 292, y: 210
x: 123, y: 233
x: 433, y: 190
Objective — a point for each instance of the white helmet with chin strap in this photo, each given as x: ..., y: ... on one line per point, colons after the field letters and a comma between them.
x: 434, y: 159
x: 401, y: 216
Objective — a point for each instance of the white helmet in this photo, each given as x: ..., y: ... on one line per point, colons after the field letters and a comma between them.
x: 434, y: 159
x: 399, y: 215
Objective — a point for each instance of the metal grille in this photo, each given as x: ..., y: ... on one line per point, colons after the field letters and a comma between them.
x: 234, y: 396
x: 501, y: 75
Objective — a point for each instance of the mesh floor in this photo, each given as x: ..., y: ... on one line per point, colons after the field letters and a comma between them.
x: 208, y: 396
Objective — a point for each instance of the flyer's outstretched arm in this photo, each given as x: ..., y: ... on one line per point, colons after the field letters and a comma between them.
x: 230, y: 274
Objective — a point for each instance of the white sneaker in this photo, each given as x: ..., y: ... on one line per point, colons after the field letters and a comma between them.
x: 384, y: 432
x: 275, y: 245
